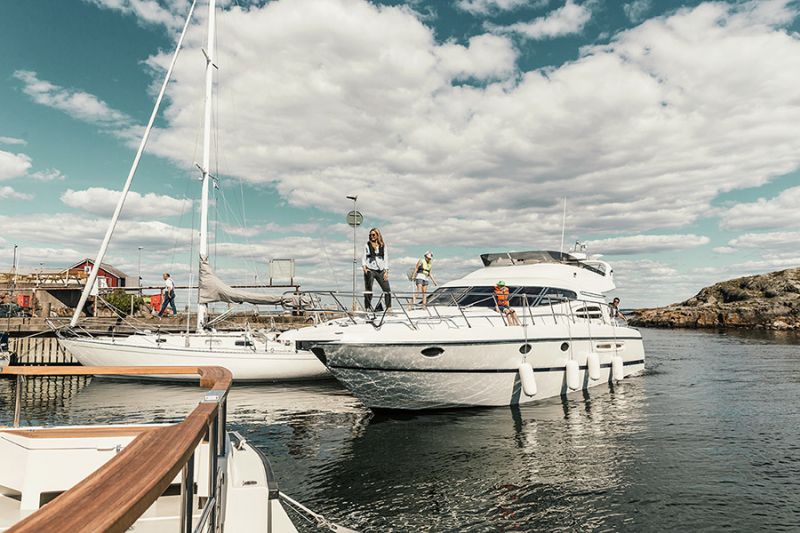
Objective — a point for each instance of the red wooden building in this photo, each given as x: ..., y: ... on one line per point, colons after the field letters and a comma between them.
x: 114, y: 278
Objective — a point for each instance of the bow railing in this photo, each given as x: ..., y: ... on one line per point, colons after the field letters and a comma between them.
x: 114, y: 496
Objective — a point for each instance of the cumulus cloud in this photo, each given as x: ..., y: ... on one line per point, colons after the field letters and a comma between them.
x: 85, y: 233
x: 778, y: 212
x: 147, y: 11
x: 51, y: 174
x: 641, y: 133
x: 770, y: 262
x: 7, y: 192
x: 777, y: 240
x: 18, y: 166
x: 258, y: 229
x: 637, y: 10
x: 101, y: 201
x: 13, y: 165
x: 636, y: 244
x: 724, y: 250
x: 361, y: 98
x: 566, y: 20
x: 12, y: 140
x: 486, y: 56
x: 485, y: 7
x: 78, y: 104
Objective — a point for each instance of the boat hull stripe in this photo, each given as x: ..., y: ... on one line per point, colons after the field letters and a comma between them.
x: 475, y: 370
x: 473, y: 343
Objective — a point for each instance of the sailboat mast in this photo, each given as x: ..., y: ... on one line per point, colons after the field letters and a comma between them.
x: 202, y: 309
x: 104, y: 245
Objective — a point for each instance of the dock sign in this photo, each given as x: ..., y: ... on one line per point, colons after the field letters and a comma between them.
x: 354, y: 218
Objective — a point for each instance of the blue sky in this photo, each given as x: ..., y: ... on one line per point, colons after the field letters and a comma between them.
x: 671, y: 127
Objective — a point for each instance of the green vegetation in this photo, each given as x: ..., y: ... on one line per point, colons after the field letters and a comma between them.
x: 121, y: 301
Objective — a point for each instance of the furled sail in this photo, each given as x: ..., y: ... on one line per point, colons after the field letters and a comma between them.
x: 213, y: 289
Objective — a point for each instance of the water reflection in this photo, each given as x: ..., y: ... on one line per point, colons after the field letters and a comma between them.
x: 466, y: 470
x: 472, y: 470
x: 706, y: 439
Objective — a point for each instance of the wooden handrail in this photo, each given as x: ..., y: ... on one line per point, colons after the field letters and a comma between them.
x: 113, y: 497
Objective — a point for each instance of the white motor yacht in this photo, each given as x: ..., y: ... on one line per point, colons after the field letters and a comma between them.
x: 461, y: 351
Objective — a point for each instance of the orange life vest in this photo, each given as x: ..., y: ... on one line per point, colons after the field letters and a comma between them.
x: 502, y: 296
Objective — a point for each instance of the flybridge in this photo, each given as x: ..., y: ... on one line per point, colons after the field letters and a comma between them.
x: 536, y: 257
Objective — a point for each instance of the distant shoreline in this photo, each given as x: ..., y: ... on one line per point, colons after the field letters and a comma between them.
x: 764, y: 302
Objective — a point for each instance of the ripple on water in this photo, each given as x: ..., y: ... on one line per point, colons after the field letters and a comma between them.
x: 706, y: 438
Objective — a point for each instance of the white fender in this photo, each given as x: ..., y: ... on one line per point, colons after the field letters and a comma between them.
x: 617, y: 368
x: 573, y: 375
x: 527, y: 379
x: 593, y: 362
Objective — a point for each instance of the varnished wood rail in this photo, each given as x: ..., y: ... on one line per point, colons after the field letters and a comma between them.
x: 113, y: 497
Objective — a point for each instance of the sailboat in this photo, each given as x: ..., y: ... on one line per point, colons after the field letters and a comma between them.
x: 249, y: 355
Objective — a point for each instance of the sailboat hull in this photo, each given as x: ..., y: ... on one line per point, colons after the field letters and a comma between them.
x: 247, y: 359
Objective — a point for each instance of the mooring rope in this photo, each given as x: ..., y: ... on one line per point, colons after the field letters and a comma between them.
x: 320, y: 520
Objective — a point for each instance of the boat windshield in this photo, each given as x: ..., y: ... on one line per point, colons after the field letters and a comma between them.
x: 484, y: 296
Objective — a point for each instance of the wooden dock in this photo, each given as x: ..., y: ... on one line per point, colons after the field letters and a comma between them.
x: 40, y: 350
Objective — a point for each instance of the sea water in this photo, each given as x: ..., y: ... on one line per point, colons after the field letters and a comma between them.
x: 707, y: 439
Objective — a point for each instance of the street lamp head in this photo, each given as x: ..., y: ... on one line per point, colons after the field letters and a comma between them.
x: 354, y: 198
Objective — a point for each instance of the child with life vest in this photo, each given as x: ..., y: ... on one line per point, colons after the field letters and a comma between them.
x: 422, y: 277
x: 503, y: 305
x: 375, y: 263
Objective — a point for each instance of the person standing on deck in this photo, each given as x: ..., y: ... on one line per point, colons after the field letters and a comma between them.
x: 422, y: 277
x: 168, y: 295
x: 375, y: 264
x: 613, y: 310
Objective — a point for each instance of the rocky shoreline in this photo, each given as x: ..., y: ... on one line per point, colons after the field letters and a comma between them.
x: 767, y: 301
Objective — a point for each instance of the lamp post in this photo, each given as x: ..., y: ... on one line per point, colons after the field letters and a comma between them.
x: 355, y: 219
x: 14, y: 272
x: 140, y: 270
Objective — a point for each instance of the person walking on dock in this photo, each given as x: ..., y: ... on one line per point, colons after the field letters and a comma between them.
x: 168, y: 295
x: 375, y: 264
x: 422, y: 277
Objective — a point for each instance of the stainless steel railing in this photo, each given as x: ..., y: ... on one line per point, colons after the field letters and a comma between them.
x: 534, y: 310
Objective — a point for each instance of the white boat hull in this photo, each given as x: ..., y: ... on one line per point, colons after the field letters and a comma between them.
x: 37, y: 465
x: 261, y: 361
x: 475, y: 373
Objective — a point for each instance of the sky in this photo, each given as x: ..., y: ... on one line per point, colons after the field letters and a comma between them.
x: 671, y: 128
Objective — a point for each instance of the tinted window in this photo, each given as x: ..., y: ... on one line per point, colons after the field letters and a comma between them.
x: 554, y: 295
x: 484, y: 296
x: 445, y: 295
x: 519, y: 294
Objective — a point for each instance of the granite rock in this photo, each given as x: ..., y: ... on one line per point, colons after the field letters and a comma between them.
x: 766, y: 301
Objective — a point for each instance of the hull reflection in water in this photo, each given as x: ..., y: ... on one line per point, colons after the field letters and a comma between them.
x: 519, y: 468
x: 110, y: 399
